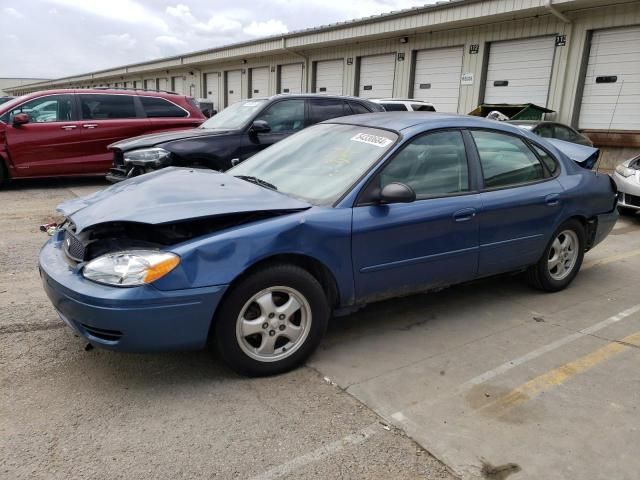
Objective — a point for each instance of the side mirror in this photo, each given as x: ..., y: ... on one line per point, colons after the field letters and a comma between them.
x: 21, y: 119
x: 260, y: 126
x: 396, y: 192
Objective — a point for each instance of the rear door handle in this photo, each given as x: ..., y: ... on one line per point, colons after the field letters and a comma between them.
x: 464, y: 215
x: 68, y: 127
x: 552, y: 200
x: 90, y: 125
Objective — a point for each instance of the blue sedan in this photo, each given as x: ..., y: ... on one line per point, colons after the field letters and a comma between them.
x: 342, y: 214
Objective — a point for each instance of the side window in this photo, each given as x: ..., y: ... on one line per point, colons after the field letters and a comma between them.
x: 434, y: 164
x: 155, y: 107
x: 547, y: 159
x: 422, y: 108
x: 395, y: 107
x: 106, y: 107
x: 53, y: 108
x: 358, y: 108
x: 545, y: 130
x: 325, y: 109
x: 285, y: 116
x: 506, y: 160
x: 564, y: 133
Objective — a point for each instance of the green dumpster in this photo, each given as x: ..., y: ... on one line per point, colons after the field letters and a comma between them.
x: 525, y: 111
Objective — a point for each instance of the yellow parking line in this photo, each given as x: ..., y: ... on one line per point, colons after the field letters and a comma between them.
x: 610, y: 259
x: 560, y: 375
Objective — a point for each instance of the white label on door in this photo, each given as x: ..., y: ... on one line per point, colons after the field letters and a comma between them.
x: 466, y: 79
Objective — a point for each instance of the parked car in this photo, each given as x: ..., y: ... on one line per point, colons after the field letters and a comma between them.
x: 66, y: 132
x: 339, y: 215
x: 627, y: 178
x: 4, y: 99
x: 555, y: 130
x: 400, y: 105
x: 233, y: 135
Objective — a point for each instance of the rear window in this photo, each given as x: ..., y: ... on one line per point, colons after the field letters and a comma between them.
x: 155, y: 107
x: 358, y: 108
x: 419, y: 107
x: 107, y: 107
x: 394, y: 107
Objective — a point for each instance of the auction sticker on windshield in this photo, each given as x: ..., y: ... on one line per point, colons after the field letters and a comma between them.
x: 376, y: 140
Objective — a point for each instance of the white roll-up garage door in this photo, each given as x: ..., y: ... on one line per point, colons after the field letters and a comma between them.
x: 233, y: 86
x: 163, y: 84
x: 437, y: 77
x: 259, y: 82
x: 376, y: 76
x: 291, y: 78
x: 212, y: 89
x: 611, y: 96
x: 177, y: 84
x: 329, y: 76
x: 519, y: 71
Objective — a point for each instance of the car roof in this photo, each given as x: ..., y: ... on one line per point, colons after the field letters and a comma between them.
x: 103, y: 90
x: 400, y: 100
x: 308, y: 95
x: 399, y: 121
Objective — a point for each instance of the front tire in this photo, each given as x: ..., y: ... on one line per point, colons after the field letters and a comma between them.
x: 561, y: 260
x: 271, y: 321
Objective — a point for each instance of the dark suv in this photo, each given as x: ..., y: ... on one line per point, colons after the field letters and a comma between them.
x: 66, y: 132
x: 231, y: 136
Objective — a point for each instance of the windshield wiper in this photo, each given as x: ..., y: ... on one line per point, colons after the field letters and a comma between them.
x: 257, y: 181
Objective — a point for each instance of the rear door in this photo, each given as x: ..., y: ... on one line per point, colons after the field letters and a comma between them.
x: 107, y: 118
x: 521, y: 202
x: 50, y: 144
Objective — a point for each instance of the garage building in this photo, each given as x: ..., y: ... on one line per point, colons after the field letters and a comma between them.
x: 580, y: 58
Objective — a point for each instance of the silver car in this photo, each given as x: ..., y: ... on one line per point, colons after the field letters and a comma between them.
x: 627, y: 178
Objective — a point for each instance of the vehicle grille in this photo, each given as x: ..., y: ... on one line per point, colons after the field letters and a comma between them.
x: 73, y: 247
x: 632, y: 200
x: 102, y: 334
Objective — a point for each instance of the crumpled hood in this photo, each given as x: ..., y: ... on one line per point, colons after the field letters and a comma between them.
x: 174, y: 194
x: 151, y: 140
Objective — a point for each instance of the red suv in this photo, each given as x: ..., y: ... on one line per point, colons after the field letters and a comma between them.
x: 66, y: 132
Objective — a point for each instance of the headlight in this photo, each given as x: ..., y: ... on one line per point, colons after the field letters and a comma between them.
x: 130, y: 268
x: 625, y: 171
x: 146, y: 157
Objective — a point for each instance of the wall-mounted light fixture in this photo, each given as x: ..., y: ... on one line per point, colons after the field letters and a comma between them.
x: 404, y: 39
x: 244, y: 61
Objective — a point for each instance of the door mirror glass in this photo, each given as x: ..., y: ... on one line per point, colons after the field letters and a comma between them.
x: 21, y: 119
x: 396, y: 192
x: 260, y: 126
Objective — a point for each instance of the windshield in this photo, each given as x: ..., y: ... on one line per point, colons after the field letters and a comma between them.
x: 235, y: 116
x: 318, y: 164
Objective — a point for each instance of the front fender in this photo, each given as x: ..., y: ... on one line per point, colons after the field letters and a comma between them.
x: 323, y: 234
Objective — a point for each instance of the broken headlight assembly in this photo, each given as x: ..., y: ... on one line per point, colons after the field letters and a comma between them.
x: 130, y: 268
x: 146, y: 157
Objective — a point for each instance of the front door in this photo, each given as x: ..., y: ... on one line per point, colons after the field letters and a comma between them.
x: 284, y: 117
x: 433, y: 241
x: 50, y: 143
x: 521, y: 202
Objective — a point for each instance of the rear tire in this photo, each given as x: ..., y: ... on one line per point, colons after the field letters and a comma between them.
x: 561, y: 260
x: 4, y: 175
x: 271, y: 321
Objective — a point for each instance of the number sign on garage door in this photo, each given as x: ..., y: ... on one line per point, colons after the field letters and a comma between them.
x: 328, y: 78
x: 519, y: 71
x: 212, y: 88
x: 233, y: 86
x: 291, y: 78
x: 611, y: 96
x: 376, y: 76
x: 259, y: 82
x: 437, y: 77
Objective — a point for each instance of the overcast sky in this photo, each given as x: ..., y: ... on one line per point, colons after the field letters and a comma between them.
x: 57, y: 38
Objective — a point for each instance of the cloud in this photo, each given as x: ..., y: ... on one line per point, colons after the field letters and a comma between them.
x: 123, y: 41
x: 216, y: 24
x: 169, y: 41
x: 265, y: 29
x: 12, y: 12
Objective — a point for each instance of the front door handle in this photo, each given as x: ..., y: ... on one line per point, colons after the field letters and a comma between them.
x: 464, y: 215
x: 68, y: 127
x: 552, y: 200
x: 90, y: 125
